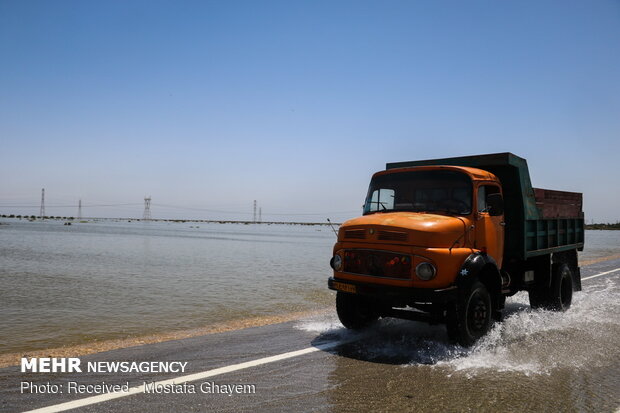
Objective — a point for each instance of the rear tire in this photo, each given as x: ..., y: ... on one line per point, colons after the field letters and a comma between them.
x: 355, y: 312
x: 561, y: 288
x: 559, y: 295
x: 469, y: 318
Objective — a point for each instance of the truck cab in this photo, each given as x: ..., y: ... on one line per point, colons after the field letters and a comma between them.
x: 431, y: 246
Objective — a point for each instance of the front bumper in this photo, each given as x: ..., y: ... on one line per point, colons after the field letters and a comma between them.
x: 395, y: 294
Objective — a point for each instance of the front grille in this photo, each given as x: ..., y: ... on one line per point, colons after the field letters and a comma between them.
x: 377, y: 263
x: 354, y: 234
x: 392, y: 236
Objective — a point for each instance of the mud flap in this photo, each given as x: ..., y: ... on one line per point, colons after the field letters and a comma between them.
x: 577, y: 279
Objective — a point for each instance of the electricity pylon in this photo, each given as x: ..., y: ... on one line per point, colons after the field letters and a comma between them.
x: 42, y: 211
x: 147, y: 209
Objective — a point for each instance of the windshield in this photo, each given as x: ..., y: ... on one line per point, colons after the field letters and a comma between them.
x: 440, y: 191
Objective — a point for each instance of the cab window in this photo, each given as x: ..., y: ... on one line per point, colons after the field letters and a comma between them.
x: 483, y: 192
x: 432, y: 191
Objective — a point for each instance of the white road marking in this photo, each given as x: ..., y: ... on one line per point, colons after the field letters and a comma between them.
x: 598, y: 275
x: 209, y: 373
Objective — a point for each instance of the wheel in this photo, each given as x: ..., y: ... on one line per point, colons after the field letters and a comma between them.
x: 559, y: 295
x: 470, y: 317
x: 561, y: 288
x: 355, y: 312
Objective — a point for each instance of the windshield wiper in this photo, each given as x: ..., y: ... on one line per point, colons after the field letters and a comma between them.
x: 382, y: 206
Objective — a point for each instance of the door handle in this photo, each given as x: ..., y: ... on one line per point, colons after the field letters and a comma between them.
x: 503, y: 224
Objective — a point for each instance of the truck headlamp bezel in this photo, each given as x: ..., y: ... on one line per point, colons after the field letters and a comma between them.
x: 337, y: 262
x: 425, y: 271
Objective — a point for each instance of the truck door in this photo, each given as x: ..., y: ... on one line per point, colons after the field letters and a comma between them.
x: 489, y: 229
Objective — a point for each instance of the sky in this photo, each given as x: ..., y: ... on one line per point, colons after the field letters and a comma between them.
x: 207, y: 106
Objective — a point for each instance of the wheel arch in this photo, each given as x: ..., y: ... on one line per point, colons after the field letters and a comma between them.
x: 483, y: 268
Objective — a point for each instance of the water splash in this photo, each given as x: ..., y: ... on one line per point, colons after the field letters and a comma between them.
x: 527, y: 341
x: 321, y: 324
x: 538, y: 341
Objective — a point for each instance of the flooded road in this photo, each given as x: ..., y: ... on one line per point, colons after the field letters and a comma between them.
x: 97, y: 283
x: 533, y: 361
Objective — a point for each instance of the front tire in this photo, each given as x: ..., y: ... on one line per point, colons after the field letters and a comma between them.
x: 470, y: 317
x: 355, y: 312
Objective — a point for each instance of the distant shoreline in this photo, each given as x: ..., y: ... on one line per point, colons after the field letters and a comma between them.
x: 206, y: 221
x: 611, y: 227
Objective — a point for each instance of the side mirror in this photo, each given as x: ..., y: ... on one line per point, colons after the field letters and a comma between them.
x: 495, y: 204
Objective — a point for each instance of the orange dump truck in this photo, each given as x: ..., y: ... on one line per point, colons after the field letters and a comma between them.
x: 447, y: 240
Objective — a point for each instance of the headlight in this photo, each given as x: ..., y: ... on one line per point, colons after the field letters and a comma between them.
x: 425, y: 271
x: 337, y: 262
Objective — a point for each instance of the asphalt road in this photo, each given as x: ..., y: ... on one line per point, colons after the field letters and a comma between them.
x: 314, y: 365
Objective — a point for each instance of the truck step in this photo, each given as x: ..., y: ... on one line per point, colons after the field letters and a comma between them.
x: 413, y: 315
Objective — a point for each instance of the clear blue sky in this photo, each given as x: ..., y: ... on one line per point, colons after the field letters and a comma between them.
x: 212, y: 104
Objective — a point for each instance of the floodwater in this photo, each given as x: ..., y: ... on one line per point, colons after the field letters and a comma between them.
x: 100, y: 280
x: 64, y: 285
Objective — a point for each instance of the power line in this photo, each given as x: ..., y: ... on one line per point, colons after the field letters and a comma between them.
x: 251, y: 213
x: 180, y: 207
x: 68, y: 205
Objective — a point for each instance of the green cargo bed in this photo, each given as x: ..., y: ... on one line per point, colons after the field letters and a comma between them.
x: 538, y: 221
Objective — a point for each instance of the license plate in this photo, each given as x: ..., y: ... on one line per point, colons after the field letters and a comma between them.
x: 347, y: 288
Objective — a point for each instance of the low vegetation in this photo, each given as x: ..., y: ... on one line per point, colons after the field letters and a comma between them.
x: 603, y: 226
